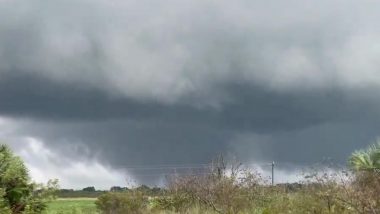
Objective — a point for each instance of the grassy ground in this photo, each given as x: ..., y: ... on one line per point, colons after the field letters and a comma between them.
x: 72, y: 206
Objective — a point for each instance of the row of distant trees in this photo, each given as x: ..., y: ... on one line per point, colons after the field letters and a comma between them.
x: 92, y: 192
x: 114, y: 189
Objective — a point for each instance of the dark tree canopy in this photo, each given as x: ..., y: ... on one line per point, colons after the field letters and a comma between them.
x: 89, y: 189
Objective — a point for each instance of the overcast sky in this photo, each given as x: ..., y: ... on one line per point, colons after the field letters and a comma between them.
x: 89, y: 87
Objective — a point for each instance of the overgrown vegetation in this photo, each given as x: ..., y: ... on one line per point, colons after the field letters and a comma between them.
x: 17, y: 193
x: 222, y: 188
x: 230, y: 189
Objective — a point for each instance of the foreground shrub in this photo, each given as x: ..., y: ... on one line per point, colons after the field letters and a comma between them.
x: 365, y: 188
x: 363, y: 192
x: 232, y: 190
x: 19, y: 195
x: 223, y: 189
x: 132, y: 202
x: 330, y: 191
x: 327, y: 192
x: 174, y: 202
x: 367, y: 159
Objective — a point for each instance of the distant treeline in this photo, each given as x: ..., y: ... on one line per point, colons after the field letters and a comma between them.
x: 91, y: 192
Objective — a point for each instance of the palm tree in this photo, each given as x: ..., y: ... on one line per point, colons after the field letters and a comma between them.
x: 366, y: 160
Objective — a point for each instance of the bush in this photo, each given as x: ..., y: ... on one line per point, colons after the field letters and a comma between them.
x: 119, y: 203
x: 223, y: 191
x: 238, y: 191
x: 363, y: 192
x: 174, y: 202
x: 18, y: 194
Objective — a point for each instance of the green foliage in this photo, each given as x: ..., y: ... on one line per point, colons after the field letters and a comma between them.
x: 4, y: 207
x: 89, y: 189
x: 133, y: 202
x: 13, y: 179
x: 18, y: 193
x: 368, y: 160
x: 174, y: 202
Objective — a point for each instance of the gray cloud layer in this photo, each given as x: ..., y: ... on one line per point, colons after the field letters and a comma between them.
x: 142, y: 82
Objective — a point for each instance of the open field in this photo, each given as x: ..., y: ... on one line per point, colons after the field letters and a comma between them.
x: 72, y: 206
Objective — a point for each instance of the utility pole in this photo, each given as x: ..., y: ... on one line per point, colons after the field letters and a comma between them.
x: 272, y: 173
x: 176, y: 180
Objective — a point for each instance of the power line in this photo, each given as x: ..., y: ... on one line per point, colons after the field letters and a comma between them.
x: 157, y: 168
x: 168, y: 174
x: 165, y: 166
x: 184, y: 166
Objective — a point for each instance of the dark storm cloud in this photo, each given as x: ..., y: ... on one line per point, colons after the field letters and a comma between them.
x: 252, y: 108
x: 129, y: 132
x: 142, y: 82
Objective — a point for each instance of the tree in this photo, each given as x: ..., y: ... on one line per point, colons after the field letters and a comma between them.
x: 117, y: 189
x: 366, y: 160
x: 89, y: 189
x: 18, y: 193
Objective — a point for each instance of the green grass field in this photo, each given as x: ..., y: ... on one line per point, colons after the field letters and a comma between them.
x: 72, y: 206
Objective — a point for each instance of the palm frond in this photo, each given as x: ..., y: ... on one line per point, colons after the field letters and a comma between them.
x: 368, y: 159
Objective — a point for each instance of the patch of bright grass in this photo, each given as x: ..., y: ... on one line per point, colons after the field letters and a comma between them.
x: 72, y: 206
